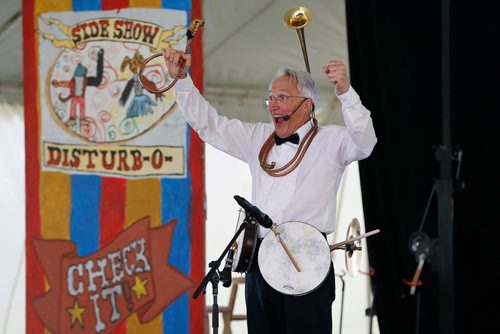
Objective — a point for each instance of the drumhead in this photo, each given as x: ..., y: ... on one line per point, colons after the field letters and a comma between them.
x: 311, y: 251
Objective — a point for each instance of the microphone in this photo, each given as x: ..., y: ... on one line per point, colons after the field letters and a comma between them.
x: 254, y: 211
x: 225, y: 274
x: 287, y: 117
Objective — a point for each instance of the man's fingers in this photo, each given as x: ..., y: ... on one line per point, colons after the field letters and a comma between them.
x: 334, y: 66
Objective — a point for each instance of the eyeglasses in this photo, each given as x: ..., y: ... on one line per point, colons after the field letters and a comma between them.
x: 280, y: 98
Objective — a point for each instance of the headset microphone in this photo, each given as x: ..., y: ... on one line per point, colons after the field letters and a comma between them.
x: 287, y: 117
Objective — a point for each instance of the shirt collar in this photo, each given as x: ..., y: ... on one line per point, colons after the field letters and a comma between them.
x: 302, y: 131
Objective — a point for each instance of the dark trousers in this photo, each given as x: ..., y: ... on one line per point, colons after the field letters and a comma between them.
x: 271, y: 312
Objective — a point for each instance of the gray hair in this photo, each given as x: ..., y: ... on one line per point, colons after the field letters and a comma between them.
x: 305, y: 83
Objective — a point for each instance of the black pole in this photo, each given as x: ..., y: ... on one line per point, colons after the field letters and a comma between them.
x: 445, y: 253
x: 214, y: 265
x: 213, y: 277
x: 342, y: 303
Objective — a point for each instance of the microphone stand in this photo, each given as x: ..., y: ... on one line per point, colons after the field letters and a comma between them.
x: 341, y: 276
x: 213, y: 276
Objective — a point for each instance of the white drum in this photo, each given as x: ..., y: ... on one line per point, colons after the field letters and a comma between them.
x: 310, y: 250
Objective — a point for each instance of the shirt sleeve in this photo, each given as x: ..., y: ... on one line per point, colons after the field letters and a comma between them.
x: 358, y: 138
x: 228, y: 135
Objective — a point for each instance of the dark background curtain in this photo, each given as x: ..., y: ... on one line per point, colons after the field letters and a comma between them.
x: 396, y: 67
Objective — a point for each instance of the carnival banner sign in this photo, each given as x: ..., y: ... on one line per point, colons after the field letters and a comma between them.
x: 114, y: 175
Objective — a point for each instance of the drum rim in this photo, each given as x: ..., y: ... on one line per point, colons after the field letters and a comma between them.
x: 240, y: 266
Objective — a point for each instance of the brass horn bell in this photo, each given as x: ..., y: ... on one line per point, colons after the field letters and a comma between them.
x: 297, y: 18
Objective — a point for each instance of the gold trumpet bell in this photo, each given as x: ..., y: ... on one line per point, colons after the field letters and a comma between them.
x: 297, y: 18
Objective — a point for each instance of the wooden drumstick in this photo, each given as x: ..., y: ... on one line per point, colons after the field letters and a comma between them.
x: 288, y: 252
x: 351, y: 240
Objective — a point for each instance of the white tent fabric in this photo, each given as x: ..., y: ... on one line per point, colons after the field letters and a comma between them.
x: 12, y: 221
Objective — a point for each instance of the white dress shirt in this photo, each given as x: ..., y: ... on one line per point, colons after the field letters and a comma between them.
x: 309, y: 193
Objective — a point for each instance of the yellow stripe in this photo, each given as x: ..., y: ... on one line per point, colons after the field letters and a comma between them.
x: 55, y: 187
x: 55, y: 201
x: 43, y: 6
x: 55, y: 205
x: 143, y: 199
x: 55, y: 208
x: 154, y: 326
x: 145, y: 3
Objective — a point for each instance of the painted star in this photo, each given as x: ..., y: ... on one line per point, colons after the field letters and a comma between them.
x: 76, y: 313
x: 140, y: 288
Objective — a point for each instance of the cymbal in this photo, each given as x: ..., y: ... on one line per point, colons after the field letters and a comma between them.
x: 353, y: 250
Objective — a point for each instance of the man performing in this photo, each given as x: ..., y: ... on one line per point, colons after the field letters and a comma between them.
x: 296, y: 169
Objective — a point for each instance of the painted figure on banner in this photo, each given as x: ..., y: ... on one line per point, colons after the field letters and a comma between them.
x: 141, y: 103
x: 77, y: 87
